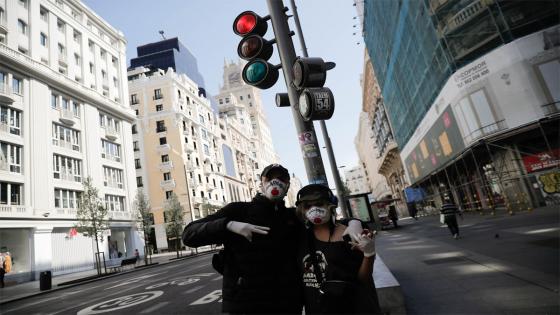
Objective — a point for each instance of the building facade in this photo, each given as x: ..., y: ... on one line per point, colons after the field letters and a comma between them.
x: 356, y: 180
x: 471, y: 91
x: 64, y: 116
x: 177, y: 147
x: 242, y: 105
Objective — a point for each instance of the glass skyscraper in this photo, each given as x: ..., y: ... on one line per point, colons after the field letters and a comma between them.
x: 415, y: 45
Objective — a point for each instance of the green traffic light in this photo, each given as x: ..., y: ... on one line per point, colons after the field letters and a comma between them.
x: 256, y: 72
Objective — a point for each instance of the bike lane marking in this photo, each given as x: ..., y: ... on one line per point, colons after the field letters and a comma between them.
x: 120, y: 302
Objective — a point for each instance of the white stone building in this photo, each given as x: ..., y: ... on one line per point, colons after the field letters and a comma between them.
x: 64, y: 116
x: 178, y: 143
x: 241, y: 102
x: 356, y: 180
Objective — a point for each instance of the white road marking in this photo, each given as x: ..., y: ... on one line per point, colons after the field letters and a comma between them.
x: 213, y: 296
x: 217, y: 278
x: 120, y: 302
x: 189, y: 291
x: 155, y: 307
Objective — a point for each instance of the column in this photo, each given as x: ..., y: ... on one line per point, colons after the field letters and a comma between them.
x: 42, y: 251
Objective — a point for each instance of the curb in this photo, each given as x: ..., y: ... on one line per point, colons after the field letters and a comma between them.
x: 63, y: 287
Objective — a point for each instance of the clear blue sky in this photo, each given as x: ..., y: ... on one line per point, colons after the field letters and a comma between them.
x: 205, y: 27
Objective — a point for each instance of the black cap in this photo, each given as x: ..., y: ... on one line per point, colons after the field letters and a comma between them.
x: 314, y: 192
x: 284, y: 174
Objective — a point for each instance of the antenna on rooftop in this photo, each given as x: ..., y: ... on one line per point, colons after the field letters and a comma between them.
x: 161, y: 33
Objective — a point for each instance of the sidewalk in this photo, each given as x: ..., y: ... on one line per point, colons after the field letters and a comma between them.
x: 30, y: 288
x: 502, y: 264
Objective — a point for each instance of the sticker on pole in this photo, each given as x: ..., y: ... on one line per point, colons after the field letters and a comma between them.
x: 306, y: 138
x: 120, y: 303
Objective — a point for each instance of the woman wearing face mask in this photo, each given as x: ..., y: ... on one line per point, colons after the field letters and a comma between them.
x: 337, y: 274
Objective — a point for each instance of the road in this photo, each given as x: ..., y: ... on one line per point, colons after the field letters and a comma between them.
x: 189, y: 286
x: 501, y: 264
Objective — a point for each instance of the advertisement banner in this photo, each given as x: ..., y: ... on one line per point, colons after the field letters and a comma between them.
x: 442, y: 141
x: 541, y: 161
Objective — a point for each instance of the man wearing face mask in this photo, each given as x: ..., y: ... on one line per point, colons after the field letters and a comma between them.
x: 261, y: 241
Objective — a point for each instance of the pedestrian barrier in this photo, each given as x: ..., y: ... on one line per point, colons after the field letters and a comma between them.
x: 391, y: 299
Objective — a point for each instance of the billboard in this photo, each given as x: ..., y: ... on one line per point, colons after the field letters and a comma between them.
x: 442, y: 141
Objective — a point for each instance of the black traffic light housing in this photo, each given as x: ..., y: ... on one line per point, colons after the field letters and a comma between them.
x: 315, y: 101
x: 255, y: 49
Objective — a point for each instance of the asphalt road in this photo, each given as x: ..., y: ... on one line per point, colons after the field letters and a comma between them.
x: 190, y: 286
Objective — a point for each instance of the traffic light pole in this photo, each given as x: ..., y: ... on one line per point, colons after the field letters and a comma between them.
x: 306, y: 132
x: 324, y: 131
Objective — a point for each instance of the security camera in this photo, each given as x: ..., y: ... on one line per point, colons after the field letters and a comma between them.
x: 46, y: 214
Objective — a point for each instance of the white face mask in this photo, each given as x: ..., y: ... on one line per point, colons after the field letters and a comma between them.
x: 318, y: 215
x: 275, y: 189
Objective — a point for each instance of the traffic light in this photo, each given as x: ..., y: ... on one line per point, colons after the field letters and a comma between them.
x: 255, y: 49
x: 315, y: 101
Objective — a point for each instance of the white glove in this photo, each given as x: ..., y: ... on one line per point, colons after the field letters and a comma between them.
x: 246, y: 230
x: 354, y: 229
x: 366, y: 244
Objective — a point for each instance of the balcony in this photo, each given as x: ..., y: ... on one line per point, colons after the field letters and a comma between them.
x: 189, y: 148
x: 197, y: 200
x: 207, y: 171
x: 163, y: 148
x: 485, y: 130
x: 111, y: 133
x: 186, y: 132
x: 189, y: 165
x: 466, y: 15
x: 6, y: 95
x: 120, y: 215
x: 3, y: 25
x: 62, y: 59
x: 157, y: 97
x: 13, y: 211
x: 167, y: 184
x: 67, y: 117
x: 192, y: 183
x: 166, y: 166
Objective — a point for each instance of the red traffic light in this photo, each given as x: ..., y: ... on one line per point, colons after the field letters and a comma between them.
x: 248, y: 23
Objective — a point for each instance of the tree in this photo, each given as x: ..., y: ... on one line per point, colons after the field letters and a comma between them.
x: 144, y: 219
x: 92, y: 216
x: 174, y: 215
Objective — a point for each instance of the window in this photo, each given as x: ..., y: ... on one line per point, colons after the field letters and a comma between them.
x: 159, y: 108
x: 162, y: 140
x: 168, y: 194
x: 91, y: 68
x: 54, y: 101
x: 17, y: 85
x: 206, y: 150
x: 44, y: 14
x: 22, y: 27
x: 77, y: 37
x: 249, y: 96
x: 160, y: 126
x: 133, y: 99
x: 134, y: 130
x: 165, y: 158
x: 61, y: 49
x: 66, y: 199
x: 137, y: 163
x: 221, y: 101
x: 167, y: 176
x: 23, y: 3
x: 114, y: 203
x: 77, y: 59
x: 66, y: 137
x: 11, y: 194
x: 115, y: 82
x: 201, y: 119
x: 139, y: 182
x: 60, y: 25
x: 227, y: 100
x: 103, y: 74
x: 112, y: 177
x: 10, y: 120
x: 110, y: 150
x: 43, y: 39
x: 157, y: 94
x: 67, y: 168
x: 240, y: 97
x: 136, y: 146
x: 76, y: 109
x: 11, y: 157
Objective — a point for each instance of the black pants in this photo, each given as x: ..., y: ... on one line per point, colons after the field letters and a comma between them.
x: 451, y: 222
x: 2, y: 273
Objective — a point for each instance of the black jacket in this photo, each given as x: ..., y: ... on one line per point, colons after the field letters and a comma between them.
x: 260, y: 276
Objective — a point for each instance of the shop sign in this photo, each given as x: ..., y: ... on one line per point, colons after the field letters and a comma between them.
x: 542, y: 160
